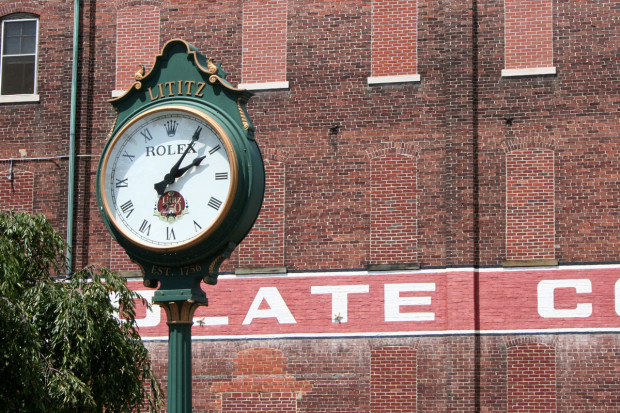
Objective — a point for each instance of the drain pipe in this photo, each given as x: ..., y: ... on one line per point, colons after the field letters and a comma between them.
x: 72, y: 127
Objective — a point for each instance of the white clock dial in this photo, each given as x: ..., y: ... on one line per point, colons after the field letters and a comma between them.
x: 168, y: 178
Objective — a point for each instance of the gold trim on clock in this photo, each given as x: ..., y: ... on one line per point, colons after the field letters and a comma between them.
x: 244, y: 120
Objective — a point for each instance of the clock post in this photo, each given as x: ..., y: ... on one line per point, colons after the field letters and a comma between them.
x: 180, y: 183
x: 180, y: 310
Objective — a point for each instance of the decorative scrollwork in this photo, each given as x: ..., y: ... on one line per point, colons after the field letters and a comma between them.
x: 140, y: 73
x: 212, y: 67
x: 139, y: 76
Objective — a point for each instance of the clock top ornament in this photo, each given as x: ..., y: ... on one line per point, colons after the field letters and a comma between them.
x: 181, y: 72
x: 181, y: 179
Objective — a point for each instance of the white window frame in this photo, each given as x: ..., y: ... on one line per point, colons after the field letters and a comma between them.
x: 29, y: 97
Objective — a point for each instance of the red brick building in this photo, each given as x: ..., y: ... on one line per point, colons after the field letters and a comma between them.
x: 441, y: 225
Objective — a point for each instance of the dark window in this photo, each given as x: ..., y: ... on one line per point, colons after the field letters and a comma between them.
x: 19, y: 57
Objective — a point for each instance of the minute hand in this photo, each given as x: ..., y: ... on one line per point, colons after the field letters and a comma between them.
x: 160, y: 187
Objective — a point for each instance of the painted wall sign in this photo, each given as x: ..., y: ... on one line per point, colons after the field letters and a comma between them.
x: 433, y: 302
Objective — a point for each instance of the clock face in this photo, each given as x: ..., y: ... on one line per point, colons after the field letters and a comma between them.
x: 168, y: 178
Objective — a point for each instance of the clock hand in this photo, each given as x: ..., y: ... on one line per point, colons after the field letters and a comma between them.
x: 195, y: 162
x: 160, y: 187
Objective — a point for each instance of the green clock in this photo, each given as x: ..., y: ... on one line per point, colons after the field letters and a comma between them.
x: 180, y: 183
x: 181, y: 180
x: 169, y: 177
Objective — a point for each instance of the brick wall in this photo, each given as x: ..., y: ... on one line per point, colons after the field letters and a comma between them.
x: 264, y: 245
x: 260, y: 383
x: 119, y: 260
x: 568, y: 373
x: 16, y: 190
x: 137, y: 41
x: 31, y: 132
x: 454, y: 137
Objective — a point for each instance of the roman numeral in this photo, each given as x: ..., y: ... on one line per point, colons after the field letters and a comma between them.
x: 147, y: 135
x: 122, y: 183
x: 127, y: 208
x: 170, y: 233
x: 126, y: 155
x: 215, y: 203
x: 197, y: 227
x: 145, y: 227
x: 215, y: 149
x: 221, y: 176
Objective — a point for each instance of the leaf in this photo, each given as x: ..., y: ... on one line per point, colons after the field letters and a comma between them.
x: 62, y: 347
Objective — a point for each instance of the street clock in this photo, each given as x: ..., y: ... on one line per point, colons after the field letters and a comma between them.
x: 181, y: 179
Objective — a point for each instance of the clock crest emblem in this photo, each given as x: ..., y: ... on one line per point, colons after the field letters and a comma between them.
x: 171, y: 207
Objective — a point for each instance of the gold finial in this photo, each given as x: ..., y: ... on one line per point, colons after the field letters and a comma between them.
x: 140, y: 73
x: 212, y: 67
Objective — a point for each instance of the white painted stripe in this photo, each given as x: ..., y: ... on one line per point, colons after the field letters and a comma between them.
x: 421, y: 271
x: 210, y: 321
x: 398, y: 334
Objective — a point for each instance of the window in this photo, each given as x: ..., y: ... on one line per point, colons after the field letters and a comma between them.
x: 532, y: 378
x: 18, y: 56
x: 530, y: 205
x: 393, y: 206
x: 528, y: 37
x: 393, y: 379
x: 394, y: 42
x: 264, y: 45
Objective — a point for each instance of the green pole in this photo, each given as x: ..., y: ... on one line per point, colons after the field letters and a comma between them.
x: 72, y: 128
x: 179, y: 368
x: 180, y: 314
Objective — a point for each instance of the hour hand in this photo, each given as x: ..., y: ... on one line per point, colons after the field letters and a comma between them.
x: 160, y: 187
x: 195, y: 162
